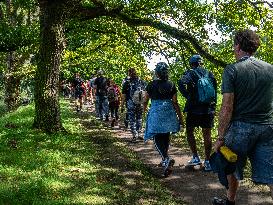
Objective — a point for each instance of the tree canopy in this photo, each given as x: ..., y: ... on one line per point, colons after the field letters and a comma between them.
x: 114, y: 35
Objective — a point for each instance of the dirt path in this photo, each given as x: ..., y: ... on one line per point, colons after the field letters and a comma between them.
x: 195, y: 187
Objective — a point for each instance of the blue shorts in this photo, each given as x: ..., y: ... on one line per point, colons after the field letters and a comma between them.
x: 254, y: 141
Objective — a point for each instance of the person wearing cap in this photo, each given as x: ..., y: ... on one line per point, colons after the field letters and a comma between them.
x: 164, y: 115
x: 135, y: 111
x: 101, y: 104
x: 198, y: 114
x: 246, y: 115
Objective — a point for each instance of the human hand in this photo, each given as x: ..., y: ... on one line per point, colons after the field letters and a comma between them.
x: 219, y: 143
x: 182, y: 125
x: 181, y: 122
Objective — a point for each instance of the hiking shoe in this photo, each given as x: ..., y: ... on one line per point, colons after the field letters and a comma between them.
x: 207, y: 167
x: 139, y: 136
x: 162, y: 163
x: 168, y: 166
x: 194, y: 161
x: 218, y: 201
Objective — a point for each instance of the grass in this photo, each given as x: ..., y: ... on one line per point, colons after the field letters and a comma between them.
x: 84, y: 166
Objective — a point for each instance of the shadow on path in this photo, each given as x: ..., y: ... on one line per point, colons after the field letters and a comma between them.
x: 194, y: 186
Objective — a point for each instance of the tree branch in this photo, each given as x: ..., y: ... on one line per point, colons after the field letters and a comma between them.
x: 261, y: 2
x: 100, y: 10
x: 174, y: 32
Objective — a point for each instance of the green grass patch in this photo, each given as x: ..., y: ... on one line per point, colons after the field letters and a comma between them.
x: 84, y: 166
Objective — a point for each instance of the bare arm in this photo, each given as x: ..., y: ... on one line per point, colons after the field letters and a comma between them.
x: 225, y: 115
x: 145, y: 104
x: 177, y: 109
x: 123, y: 97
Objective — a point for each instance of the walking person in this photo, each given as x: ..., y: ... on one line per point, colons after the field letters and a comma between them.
x: 102, y: 104
x: 126, y: 118
x: 133, y: 94
x: 114, y: 97
x: 200, y: 109
x: 78, y: 91
x: 91, y: 85
x: 164, y: 116
x: 246, y: 114
x: 88, y: 93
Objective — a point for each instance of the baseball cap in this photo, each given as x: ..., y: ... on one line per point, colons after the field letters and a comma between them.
x: 196, y: 59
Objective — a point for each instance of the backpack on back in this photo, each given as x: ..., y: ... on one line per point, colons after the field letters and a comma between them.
x: 205, y: 88
x: 137, y: 91
x: 77, y: 84
x: 112, y: 94
x: 101, y: 83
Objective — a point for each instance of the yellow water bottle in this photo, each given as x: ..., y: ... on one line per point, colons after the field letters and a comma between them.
x: 228, y: 154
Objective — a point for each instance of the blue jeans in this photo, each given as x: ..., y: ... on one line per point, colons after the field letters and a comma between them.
x: 102, y: 106
x: 134, y: 116
x: 254, y: 141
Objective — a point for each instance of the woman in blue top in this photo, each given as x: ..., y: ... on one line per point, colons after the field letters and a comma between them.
x: 164, y: 116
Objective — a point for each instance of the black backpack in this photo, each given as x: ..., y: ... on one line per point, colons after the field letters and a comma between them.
x: 101, y: 83
x: 78, y: 83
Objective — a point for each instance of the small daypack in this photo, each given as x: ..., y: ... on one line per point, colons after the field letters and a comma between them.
x: 137, y: 91
x: 112, y: 95
x: 205, y: 88
x: 78, y: 82
x: 101, y: 83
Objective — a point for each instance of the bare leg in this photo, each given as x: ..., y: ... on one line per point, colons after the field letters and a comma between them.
x: 233, y: 186
x: 80, y: 101
x: 207, y: 142
x: 191, y: 139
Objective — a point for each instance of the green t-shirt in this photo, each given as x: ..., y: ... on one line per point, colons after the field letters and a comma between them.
x: 251, y: 81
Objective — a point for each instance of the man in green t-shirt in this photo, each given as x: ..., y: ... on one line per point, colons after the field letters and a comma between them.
x: 246, y: 115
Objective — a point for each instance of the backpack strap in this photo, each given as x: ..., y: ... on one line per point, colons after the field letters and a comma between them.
x: 199, y: 76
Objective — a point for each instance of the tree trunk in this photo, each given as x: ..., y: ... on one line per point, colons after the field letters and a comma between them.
x: 12, y: 84
x: 47, y: 108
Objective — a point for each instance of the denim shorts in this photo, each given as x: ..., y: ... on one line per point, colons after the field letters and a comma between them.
x: 254, y: 141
